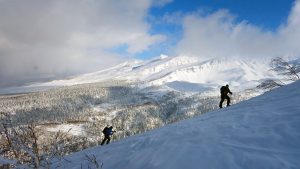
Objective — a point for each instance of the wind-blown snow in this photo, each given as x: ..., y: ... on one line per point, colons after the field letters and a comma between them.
x: 263, y: 132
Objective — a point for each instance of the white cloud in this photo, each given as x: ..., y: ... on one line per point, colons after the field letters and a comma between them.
x: 50, y: 38
x: 219, y: 35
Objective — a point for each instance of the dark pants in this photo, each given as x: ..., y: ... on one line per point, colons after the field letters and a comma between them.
x: 223, y: 97
x: 106, y: 138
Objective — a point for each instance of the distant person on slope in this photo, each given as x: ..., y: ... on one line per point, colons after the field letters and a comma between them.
x: 224, y: 91
x: 108, y: 132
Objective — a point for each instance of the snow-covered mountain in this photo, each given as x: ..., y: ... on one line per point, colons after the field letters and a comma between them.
x: 164, y: 70
x: 263, y: 132
x: 181, y: 73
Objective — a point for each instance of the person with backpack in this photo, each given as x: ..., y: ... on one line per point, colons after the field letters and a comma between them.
x: 224, y: 91
x: 108, y: 132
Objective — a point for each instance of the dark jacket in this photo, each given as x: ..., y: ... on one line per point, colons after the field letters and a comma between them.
x: 107, y: 131
x: 225, y: 90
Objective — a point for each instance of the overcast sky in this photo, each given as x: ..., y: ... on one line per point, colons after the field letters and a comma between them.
x: 51, y: 39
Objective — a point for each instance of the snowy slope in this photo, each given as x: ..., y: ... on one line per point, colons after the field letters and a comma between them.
x: 181, y: 73
x: 263, y: 132
x: 166, y: 69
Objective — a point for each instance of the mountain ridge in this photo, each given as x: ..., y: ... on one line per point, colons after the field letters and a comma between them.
x: 166, y: 69
x: 241, y: 74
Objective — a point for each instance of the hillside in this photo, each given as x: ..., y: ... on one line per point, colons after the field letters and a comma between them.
x: 263, y: 132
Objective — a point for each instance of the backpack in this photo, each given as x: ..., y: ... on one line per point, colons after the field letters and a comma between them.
x: 222, y: 89
x: 105, y: 130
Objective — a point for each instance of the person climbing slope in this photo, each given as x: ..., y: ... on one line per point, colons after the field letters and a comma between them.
x: 224, y: 95
x: 108, y: 132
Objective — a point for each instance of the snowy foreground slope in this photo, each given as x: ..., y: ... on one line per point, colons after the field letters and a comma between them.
x: 263, y: 132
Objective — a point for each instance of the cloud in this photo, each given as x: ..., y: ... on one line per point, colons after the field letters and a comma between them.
x: 220, y: 35
x: 47, y: 39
